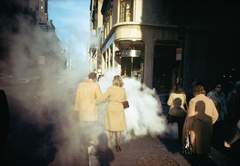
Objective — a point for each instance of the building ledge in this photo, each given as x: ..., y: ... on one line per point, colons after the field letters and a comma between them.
x: 145, y: 24
x: 138, y: 27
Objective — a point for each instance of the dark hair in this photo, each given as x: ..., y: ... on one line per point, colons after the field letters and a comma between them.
x: 198, y: 89
x: 92, y: 76
x: 179, y: 89
x: 218, y: 85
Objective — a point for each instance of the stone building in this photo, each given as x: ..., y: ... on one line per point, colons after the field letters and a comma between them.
x: 39, y: 8
x: 38, y: 33
x: 165, y: 42
x: 96, y: 35
x: 135, y: 30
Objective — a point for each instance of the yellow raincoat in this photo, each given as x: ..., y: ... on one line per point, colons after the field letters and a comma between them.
x: 88, y: 93
x: 115, y: 116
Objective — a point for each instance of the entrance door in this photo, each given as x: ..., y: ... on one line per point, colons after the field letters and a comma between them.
x: 166, y: 68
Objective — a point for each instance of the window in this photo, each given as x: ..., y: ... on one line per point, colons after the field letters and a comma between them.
x: 126, y: 10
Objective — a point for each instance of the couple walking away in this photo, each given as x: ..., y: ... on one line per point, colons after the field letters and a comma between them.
x: 89, y: 95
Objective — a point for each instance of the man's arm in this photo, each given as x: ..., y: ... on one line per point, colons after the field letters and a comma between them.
x: 98, y: 94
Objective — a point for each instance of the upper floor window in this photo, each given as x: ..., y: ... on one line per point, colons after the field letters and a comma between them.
x: 126, y: 10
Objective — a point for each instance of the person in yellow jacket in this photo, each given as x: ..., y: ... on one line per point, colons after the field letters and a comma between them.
x: 87, y: 96
x: 115, y: 122
x: 201, y: 116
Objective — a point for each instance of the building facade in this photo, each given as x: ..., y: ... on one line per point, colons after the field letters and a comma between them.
x: 165, y: 42
x: 40, y: 10
x: 96, y: 26
x: 133, y: 37
x: 33, y: 14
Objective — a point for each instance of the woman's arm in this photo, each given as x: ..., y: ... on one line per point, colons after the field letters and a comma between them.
x: 98, y: 94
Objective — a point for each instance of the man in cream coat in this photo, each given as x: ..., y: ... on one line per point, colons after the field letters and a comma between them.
x: 201, y: 116
x: 87, y: 96
x: 210, y: 109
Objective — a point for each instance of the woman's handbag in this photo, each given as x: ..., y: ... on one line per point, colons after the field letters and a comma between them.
x: 125, y: 104
x: 188, y: 148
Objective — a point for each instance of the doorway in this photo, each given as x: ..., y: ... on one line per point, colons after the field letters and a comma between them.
x: 166, y: 69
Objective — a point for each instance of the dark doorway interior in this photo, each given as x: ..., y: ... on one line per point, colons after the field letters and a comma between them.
x: 166, y: 68
x: 132, y: 67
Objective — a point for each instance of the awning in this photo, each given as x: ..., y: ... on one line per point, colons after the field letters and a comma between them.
x: 130, y: 53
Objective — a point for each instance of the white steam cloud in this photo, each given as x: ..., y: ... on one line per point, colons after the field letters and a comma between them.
x: 42, y: 89
x: 144, y: 116
x: 39, y: 73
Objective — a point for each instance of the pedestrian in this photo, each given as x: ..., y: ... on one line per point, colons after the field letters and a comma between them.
x: 219, y: 100
x: 233, y: 103
x: 115, y: 122
x: 87, y: 96
x: 201, y: 116
x: 228, y: 143
x: 177, y: 110
x: 177, y: 92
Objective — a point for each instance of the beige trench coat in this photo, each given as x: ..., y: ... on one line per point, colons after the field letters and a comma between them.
x: 115, y: 115
x: 87, y: 96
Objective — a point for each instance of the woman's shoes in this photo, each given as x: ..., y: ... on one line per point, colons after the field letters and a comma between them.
x: 118, y: 148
